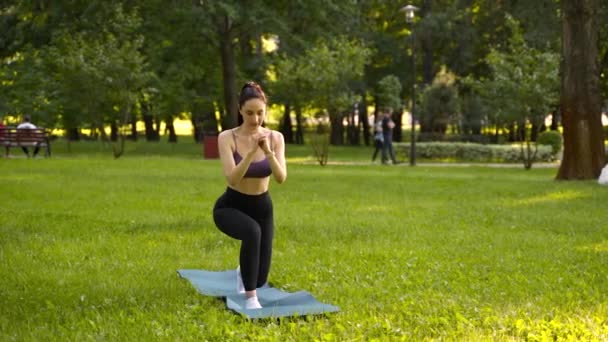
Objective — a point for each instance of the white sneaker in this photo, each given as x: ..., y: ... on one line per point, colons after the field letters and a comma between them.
x: 252, y: 303
x: 240, y: 287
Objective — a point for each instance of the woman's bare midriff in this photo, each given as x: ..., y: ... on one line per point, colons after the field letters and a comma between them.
x: 252, y: 186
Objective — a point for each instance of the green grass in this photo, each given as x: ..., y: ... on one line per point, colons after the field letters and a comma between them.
x: 187, y: 148
x: 89, y: 247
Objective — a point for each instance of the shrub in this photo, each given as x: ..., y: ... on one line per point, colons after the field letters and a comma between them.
x: 471, y: 152
x: 551, y: 138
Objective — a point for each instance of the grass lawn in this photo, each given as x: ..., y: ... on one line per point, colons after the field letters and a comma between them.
x: 89, y: 248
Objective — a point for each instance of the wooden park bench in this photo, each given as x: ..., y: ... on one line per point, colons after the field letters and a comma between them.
x: 25, y: 137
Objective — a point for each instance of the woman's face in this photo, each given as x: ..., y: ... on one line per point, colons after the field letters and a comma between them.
x: 253, y: 112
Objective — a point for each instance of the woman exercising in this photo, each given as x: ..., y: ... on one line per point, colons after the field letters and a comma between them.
x: 249, y: 154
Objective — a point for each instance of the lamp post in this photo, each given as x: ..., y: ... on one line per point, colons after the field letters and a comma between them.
x: 410, y: 13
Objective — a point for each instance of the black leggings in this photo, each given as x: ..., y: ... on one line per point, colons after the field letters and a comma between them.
x: 248, y: 218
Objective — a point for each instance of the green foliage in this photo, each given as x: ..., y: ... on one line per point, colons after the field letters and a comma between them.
x: 322, y: 76
x: 472, y: 111
x: 389, y: 92
x: 181, y: 47
x: 26, y: 87
x: 523, y: 87
x: 186, y: 66
x: 90, y: 246
x: 524, y: 83
x: 439, y: 103
x: 551, y: 138
x: 471, y: 152
x: 84, y: 78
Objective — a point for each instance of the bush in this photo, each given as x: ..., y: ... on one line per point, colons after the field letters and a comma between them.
x: 471, y: 152
x: 551, y: 138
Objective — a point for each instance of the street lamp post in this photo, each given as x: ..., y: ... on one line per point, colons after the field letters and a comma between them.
x: 410, y: 13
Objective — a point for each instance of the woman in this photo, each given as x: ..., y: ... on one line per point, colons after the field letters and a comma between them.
x: 378, y: 139
x: 249, y: 154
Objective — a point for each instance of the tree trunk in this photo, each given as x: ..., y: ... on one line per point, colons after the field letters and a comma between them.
x: 299, y: 126
x: 351, y: 130
x: 398, y: 120
x: 286, y: 126
x: 134, y: 129
x: 512, y: 132
x: 157, y: 127
x: 364, y: 120
x: 94, y: 135
x: 229, y: 74
x: 580, y: 100
x: 151, y: 133
x: 103, y: 134
x: 197, y: 128
x: 555, y: 119
x: 537, y: 127
x: 336, y: 129
x: 521, y: 131
x: 113, y: 132
x: 73, y: 134
x: 171, y: 129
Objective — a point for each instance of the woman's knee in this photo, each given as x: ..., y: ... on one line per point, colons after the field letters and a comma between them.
x: 236, y: 224
x: 251, y: 232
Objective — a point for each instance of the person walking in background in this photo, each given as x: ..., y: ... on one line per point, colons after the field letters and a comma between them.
x: 378, y: 139
x: 250, y: 154
x: 387, y: 136
x: 27, y: 124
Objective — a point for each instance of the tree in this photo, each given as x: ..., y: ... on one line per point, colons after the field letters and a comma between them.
x: 80, y: 65
x: 604, y: 53
x: 181, y: 49
x: 238, y: 26
x: 439, y: 103
x: 389, y: 97
x: 303, y: 24
x: 389, y: 92
x: 580, y: 101
x: 522, y: 89
x: 290, y: 87
x: 322, y: 78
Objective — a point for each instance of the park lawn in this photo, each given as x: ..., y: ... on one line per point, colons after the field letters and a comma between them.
x: 187, y: 148
x: 89, y: 248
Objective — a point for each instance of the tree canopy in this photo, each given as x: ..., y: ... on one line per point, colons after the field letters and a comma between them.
x: 92, y: 64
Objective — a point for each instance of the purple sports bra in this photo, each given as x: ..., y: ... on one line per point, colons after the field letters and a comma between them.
x: 259, y: 169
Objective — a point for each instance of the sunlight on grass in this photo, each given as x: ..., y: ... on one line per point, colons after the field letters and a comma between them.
x: 600, y: 247
x: 551, y: 197
x: 299, y: 159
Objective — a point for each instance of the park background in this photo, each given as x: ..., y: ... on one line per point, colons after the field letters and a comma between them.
x: 452, y: 249
x: 482, y: 72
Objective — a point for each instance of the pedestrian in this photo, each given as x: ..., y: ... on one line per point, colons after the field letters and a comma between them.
x: 378, y: 139
x: 387, y: 135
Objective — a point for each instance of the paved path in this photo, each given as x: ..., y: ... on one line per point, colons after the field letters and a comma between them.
x: 406, y: 164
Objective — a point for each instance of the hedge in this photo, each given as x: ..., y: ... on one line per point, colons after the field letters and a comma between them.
x: 471, y: 152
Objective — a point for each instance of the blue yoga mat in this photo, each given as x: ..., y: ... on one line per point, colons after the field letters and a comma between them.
x: 275, y: 303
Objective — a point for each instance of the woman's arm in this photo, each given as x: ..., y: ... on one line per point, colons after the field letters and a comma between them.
x: 233, y: 173
x: 277, y: 157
